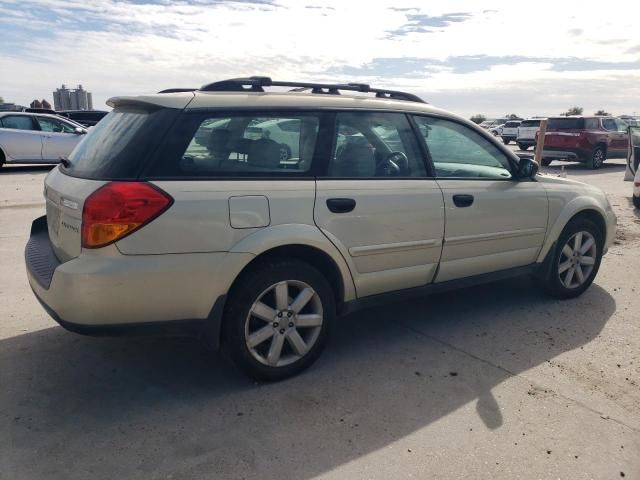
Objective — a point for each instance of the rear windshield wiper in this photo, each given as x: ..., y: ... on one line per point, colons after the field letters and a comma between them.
x: 66, y: 163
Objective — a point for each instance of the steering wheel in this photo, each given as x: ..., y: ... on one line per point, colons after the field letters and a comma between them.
x: 393, y: 165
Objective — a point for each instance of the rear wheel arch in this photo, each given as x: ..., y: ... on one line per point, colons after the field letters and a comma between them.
x: 313, y: 256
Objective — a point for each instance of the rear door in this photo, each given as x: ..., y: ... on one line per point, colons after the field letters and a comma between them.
x: 377, y: 204
x: 21, y: 138
x: 58, y: 138
x: 493, y: 222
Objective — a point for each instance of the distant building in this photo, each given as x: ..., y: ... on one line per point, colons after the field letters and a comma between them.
x: 72, y: 99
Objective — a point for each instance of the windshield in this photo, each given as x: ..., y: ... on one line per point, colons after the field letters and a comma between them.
x: 118, y: 145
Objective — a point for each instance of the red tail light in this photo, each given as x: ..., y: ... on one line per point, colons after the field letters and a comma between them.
x: 119, y: 208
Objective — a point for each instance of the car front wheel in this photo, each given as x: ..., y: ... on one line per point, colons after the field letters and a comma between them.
x: 278, y: 319
x: 523, y: 147
x: 576, y: 259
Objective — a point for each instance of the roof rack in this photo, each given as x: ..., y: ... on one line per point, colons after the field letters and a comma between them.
x: 257, y: 84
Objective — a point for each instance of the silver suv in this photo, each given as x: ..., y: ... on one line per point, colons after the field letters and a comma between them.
x: 179, y: 212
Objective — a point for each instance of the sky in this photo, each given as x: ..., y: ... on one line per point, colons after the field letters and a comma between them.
x: 466, y: 56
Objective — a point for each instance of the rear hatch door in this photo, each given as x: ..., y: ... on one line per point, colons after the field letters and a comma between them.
x: 564, y: 132
x: 116, y: 149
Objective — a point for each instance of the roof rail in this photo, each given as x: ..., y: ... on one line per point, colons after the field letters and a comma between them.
x: 257, y: 84
x: 177, y: 90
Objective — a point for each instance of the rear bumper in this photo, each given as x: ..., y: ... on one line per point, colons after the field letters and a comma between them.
x: 115, y: 294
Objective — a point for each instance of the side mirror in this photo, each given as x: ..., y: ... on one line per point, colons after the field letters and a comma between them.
x: 79, y: 131
x: 527, y: 168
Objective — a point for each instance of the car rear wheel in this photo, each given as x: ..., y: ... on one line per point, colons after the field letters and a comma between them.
x: 506, y: 141
x: 523, y: 147
x: 597, y: 158
x: 576, y: 259
x: 279, y: 319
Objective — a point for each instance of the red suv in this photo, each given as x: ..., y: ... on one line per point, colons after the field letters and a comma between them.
x: 590, y: 140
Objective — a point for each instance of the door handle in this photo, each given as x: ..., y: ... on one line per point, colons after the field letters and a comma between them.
x: 463, y: 200
x: 341, y: 205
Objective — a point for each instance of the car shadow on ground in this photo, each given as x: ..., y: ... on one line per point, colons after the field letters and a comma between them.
x: 73, y: 406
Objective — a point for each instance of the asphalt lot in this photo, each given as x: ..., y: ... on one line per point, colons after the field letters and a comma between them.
x: 495, y: 381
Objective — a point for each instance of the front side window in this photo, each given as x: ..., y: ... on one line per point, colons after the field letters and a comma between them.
x: 371, y: 144
x: 19, y: 122
x: 459, y: 152
x: 54, y: 125
x: 609, y: 124
x: 246, y: 144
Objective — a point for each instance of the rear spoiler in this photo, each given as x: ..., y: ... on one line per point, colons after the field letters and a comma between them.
x: 179, y: 101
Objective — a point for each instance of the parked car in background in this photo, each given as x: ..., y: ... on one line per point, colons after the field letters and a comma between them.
x: 589, y: 140
x: 489, y: 124
x: 510, y: 131
x: 88, y: 118
x: 391, y: 198
x: 630, y: 120
x: 36, y: 138
x: 497, y: 130
x: 526, y: 134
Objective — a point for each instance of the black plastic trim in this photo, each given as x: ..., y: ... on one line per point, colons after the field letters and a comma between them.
x: 39, y: 257
x: 416, y: 292
x: 208, y: 328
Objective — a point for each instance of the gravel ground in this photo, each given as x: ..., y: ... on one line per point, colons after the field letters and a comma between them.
x: 495, y: 382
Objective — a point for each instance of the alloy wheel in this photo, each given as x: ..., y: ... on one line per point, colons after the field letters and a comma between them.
x: 577, y: 259
x: 284, y: 323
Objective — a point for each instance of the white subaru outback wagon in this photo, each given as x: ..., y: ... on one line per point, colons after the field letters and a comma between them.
x: 223, y: 237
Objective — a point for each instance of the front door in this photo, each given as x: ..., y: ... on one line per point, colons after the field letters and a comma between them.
x: 493, y: 222
x: 376, y: 204
x: 58, y: 138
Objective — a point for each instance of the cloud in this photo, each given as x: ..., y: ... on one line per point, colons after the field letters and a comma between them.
x: 447, y: 50
x: 427, y: 24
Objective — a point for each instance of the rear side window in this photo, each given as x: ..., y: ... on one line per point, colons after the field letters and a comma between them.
x: 240, y: 144
x: 530, y: 123
x: 566, y: 123
x: 19, y: 122
x: 512, y: 124
x: 118, y: 146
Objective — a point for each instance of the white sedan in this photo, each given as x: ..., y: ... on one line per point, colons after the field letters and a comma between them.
x: 36, y: 138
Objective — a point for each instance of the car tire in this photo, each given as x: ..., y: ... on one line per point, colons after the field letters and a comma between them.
x: 285, y: 152
x: 1, y: 158
x: 546, y: 162
x: 597, y: 158
x: 523, y: 147
x: 506, y: 141
x: 262, y: 329
x: 636, y: 201
x: 572, y: 272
